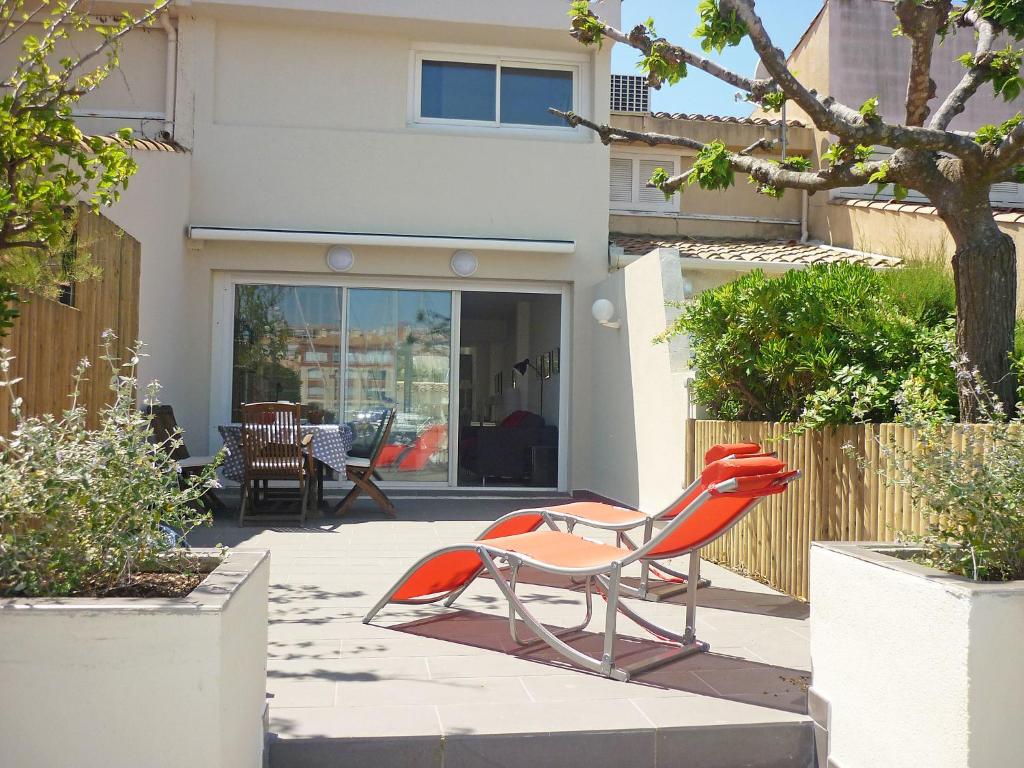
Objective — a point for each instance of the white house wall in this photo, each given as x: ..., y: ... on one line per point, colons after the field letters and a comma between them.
x: 638, y: 413
x: 155, y: 210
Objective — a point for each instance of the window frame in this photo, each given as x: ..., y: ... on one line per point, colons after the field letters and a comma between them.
x: 635, y: 204
x: 498, y: 61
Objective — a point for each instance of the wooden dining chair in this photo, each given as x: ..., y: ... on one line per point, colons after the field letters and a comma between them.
x: 361, y: 471
x: 273, y: 448
x: 165, y: 432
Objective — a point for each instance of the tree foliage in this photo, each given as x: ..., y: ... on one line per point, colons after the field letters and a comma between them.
x: 823, y: 345
x: 954, y: 169
x: 46, y: 163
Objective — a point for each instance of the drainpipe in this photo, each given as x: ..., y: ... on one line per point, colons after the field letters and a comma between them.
x: 172, y: 74
x: 782, y: 131
x: 804, y: 205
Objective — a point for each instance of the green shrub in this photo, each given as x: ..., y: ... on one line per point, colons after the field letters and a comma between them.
x: 922, y: 290
x: 826, y: 345
x: 82, y: 510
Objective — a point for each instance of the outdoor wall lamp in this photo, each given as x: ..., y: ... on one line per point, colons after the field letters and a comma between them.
x: 340, y: 258
x: 464, y: 263
x: 603, y: 311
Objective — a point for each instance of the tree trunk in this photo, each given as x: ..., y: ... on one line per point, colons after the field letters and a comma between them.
x: 985, y: 272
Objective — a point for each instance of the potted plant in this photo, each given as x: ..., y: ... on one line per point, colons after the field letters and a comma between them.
x: 916, y: 646
x: 118, y: 646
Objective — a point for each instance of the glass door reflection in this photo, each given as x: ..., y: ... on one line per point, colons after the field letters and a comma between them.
x: 398, y: 355
x: 287, y: 346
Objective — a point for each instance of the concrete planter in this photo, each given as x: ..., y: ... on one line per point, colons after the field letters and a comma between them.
x: 913, y: 666
x: 129, y: 682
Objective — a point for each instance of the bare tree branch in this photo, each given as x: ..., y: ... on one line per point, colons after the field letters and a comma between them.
x: 640, y: 39
x: 764, y: 144
x: 6, y: 245
x: 14, y: 29
x: 829, y: 115
x: 956, y: 100
x: 764, y: 171
x: 1009, y: 153
x: 920, y: 21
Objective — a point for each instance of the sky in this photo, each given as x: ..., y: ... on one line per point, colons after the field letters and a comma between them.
x: 675, y: 20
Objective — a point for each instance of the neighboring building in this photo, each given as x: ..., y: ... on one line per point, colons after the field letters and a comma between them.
x: 848, y: 51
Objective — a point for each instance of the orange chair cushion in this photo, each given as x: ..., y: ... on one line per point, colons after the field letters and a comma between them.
x: 596, y: 512
x: 446, y: 573
x: 562, y: 550
x: 757, y: 476
x: 727, y: 469
x: 716, y: 452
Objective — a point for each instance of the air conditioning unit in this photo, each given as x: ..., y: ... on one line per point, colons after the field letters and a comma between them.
x: 630, y: 93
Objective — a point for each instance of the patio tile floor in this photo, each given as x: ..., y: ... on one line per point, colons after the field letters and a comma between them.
x: 428, y: 686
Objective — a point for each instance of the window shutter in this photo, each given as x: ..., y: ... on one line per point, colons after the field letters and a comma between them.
x: 648, y: 194
x: 1007, y: 194
x: 621, y: 185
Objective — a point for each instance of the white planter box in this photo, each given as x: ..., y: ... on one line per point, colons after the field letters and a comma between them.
x: 139, y: 682
x: 914, y: 666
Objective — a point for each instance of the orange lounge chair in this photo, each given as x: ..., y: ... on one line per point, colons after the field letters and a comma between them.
x: 727, y: 490
x: 610, y: 517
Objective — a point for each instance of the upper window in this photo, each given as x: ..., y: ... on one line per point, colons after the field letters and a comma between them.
x: 628, y: 189
x: 494, y: 92
x: 453, y: 90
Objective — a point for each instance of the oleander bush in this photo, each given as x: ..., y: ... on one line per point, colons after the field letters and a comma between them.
x: 824, y: 345
x: 83, y: 510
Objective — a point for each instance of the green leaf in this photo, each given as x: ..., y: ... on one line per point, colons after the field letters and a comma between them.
x: 869, y: 109
x: 718, y: 29
x: 712, y: 168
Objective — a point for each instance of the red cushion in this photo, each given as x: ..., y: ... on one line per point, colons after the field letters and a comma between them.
x: 514, y: 419
x: 726, y: 469
x: 716, y: 452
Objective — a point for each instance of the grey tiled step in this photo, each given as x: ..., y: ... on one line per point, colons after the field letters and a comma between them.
x: 760, y: 745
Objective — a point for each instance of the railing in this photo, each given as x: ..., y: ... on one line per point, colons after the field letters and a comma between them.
x: 49, y: 338
x: 835, y: 500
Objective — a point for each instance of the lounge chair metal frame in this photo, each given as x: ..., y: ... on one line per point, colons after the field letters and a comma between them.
x: 606, y: 577
x: 643, y: 590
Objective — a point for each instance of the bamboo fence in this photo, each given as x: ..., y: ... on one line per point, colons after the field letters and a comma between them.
x: 835, y: 500
x: 49, y: 338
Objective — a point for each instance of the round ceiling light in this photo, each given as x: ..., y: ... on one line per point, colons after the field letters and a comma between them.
x: 340, y: 258
x: 464, y: 263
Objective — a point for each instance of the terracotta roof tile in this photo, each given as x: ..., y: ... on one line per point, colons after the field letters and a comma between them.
x: 149, y: 145
x: 725, y: 119
x: 1009, y: 215
x: 750, y: 251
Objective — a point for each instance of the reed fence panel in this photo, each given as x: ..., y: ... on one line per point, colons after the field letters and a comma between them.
x: 50, y: 338
x: 835, y: 500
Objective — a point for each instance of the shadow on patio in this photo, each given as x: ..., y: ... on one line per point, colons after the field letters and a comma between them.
x: 706, y: 674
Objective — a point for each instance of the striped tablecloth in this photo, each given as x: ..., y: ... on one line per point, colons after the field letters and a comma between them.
x: 330, y: 444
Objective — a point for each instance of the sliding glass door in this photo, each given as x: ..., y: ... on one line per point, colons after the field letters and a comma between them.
x: 398, y: 356
x: 348, y: 354
x: 287, y: 346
